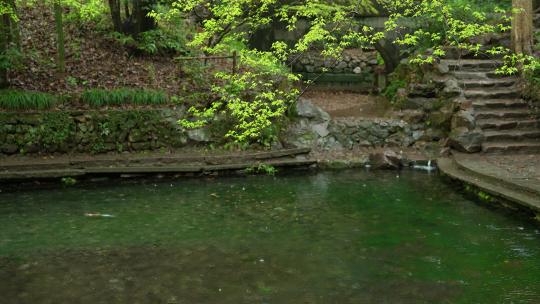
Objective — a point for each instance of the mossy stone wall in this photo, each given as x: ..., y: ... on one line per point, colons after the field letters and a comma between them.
x: 91, y: 131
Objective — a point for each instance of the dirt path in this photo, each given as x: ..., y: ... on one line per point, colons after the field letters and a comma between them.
x: 342, y: 104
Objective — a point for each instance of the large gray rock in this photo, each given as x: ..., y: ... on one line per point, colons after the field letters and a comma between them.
x: 465, y: 140
x: 443, y: 68
x: 321, y: 129
x: 306, y: 109
x: 463, y: 119
x: 199, y: 135
x: 387, y: 159
x: 452, y: 89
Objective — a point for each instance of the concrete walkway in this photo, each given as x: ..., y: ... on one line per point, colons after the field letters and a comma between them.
x: 515, y: 178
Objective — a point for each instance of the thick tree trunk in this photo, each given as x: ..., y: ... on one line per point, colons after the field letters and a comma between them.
x: 390, y: 53
x: 58, y: 18
x: 126, y: 9
x: 15, y: 34
x: 141, y: 8
x: 138, y: 21
x: 522, y: 26
x: 114, y: 6
x: 9, y: 38
x: 4, y: 45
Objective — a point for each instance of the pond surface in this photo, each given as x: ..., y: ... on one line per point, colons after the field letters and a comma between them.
x: 338, y: 237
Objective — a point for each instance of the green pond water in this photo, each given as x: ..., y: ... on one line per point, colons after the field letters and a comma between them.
x: 338, y: 237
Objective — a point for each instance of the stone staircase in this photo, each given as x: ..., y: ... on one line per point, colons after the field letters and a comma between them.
x: 507, y: 121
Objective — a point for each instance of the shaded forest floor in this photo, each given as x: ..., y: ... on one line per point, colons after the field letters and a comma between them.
x: 93, y: 60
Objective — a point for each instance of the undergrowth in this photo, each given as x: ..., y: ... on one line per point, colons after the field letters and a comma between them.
x: 25, y: 100
x: 101, y: 97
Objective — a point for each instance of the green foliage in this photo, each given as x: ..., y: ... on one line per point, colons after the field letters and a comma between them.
x: 531, y: 78
x: 435, y: 24
x: 254, y: 101
x: 55, y: 129
x: 153, y: 42
x: 392, y: 89
x: 68, y: 181
x: 25, y: 100
x: 102, y: 97
x: 262, y: 168
x: 11, y: 58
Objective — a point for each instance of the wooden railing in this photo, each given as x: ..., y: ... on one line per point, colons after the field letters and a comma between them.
x: 205, y: 59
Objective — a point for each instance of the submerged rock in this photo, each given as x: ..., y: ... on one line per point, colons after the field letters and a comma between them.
x: 387, y: 159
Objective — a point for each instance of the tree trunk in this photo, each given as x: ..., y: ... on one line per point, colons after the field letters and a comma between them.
x: 114, y: 6
x: 126, y: 9
x: 141, y: 8
x: 9, y: 37
x: 15, y: 33
x: 4, y: 45
x: 58, y: 18
x: 390, y: 53
x: 522, y: 26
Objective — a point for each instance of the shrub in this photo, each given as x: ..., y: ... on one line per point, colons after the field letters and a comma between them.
x: 25, y: 100
x: 101, y: 97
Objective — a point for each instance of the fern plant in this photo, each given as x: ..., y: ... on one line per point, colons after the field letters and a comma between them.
x: 123, y: 96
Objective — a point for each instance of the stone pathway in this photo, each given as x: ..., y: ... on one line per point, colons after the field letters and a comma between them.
x: 343, y: 104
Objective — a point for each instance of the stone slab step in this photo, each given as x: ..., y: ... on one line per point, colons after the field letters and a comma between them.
x: 472, y: 64
x: 488, y: 83
x: 486, y: 104
x: 483, y: 168
x: 511, y: 135
x: 522, y: 199
x: 504, y: 114
x: 475, y: 75
x: 497, y: 124
x: 531, y: 146
x: 510, y: 92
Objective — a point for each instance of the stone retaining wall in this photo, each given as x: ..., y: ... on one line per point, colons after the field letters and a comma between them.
x: 354, y: 61
x: 314, y: 128
x: 94, y: 131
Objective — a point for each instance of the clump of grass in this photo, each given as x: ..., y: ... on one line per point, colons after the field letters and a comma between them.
x: 25, y: 100
x: 101, y: 97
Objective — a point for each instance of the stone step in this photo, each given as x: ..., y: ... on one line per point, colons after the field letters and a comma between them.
x: 511, y: 135
x: 511, y: 92
x: 504, y: 114
x: 476, y: 75
x: 497, y: 124
x: 472, y: 64
x: 488, y: 83
x: 531, y: 146
x: 515, y: 195
x: 487, y: 104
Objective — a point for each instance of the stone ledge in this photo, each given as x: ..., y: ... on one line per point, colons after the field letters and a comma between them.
x: 487, y: 171
x: 28, y: 169
x: 521, y: 199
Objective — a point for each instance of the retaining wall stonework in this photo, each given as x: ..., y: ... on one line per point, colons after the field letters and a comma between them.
x: 354, y: 61
x: 94, y: 131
